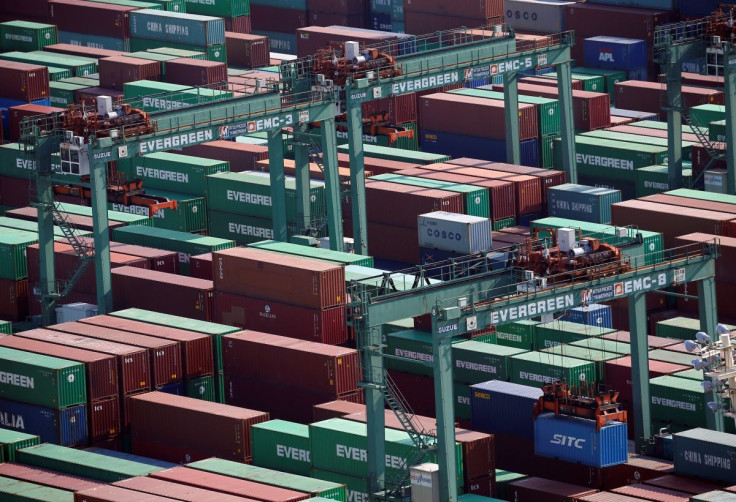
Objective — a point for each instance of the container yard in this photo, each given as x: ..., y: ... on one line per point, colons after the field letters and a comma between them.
x: 367, y: 250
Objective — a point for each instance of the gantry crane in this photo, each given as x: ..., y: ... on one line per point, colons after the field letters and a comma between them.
x: 678, y: 42
x: 479, y: 295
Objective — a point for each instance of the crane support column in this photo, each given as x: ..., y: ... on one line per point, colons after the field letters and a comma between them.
x: 332, y: 182
x: 674, y: 124
x: 511, y: 111
x: 101, y: 227
x: 445, y: 405
x: 640, y: 370
x: 357, y: 177
x: 374, y: 380
x: 729, y: 76
x: 708, y: 319
x: 301, y: 163
x: 278, y: 184
x: 45, y: 194
x: 564, y: 88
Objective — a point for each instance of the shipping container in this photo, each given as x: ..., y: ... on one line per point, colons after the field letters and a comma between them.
x: 173, y: 172
x: 14, y: 299
x: 458, y: 145
x: 533, y: 489
x: 195, y: 72
x: 308, y: 365
x: 615, y: 53
x: 110, y: 20
x: 12, y: 490
x: 653, y: 180
x: 65, y: 427
x: 77, y: 65
x: 652, y: 493
x: 454, y: 232
x: 679, y: 400
x: 133, y: 366
x: 545, y: 16
x: 26, y: 36
x: 115, y: 494
x: 282, y: 446
x: 537, y: 367
x: 177, y: 27
x: 118, y: 70
x: 502, y: 407
x: 247, y: 50
x: 77, y: 50
x: 166, y: 419
x: 214, y: 52
x: 582, y: 202
x: 382, y: 152
x: 23, y: 81
x: 594, y: 447
x: 563, y: 332
x: 705, y: 454
x: 145, y: 485
x: 316, y: 253
x: 13, y: 262
x: 646, y: 96
x: 584, y: 353
x: 240, y: 156
x: 714, y: 496
x: 637, y: 137
x: 382, y: 196
x: 12, y: 441
x: 46, y: 477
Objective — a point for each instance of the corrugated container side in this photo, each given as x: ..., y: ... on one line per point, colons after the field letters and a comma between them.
x: 26, y: 82
x: 46, y: 477
x: 177, y: 27
x: 453, y: 232
x: 66, y: 427
x: 503, y: 408
x: 283, y: 446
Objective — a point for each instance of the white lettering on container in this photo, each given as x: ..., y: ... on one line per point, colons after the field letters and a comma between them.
x: 17, y: 380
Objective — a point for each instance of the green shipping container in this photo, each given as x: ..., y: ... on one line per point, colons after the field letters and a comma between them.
x: 519, y: 334
x: 679, y: 400
x: 597, y: 357
x: 152, y: 96
x: 614, y: 160
x: 282, y: 446
x: 78, y: 65
x: 339, y: 445
x: 703, y: 115
x: 356, y: 489
x: 412, y: 346
x: 548, y: 110
x: 45, y: 381
x: 249, y: 193
x: 700, y: 195
x: 84, y: 81
x: 304, y: 484
x: 11, y: 441
x: 242, y: 229
x: 63, y: 94
x: 318, y: 253
x: 691, y: 374
x: 201, y: 388
x: 16, y: 163
x: 13, y: 490
x: 82, y: 463
x: 476, y: 200
x: 122, y: 217
x: 558, y: 332
x: 132, y: 3
x: 462, y: 401
x: 670, y: 356
x: 219, y: 8
x: 538, y: 368
x: 182, y: 53
x: 610, y: 78
x: 592, y: 83
x: 173, y: 172
x: 25, y: 36
x: 652, y: 180
x: 190, y: 214
x: 636, y: 138
x: 215, y: 52
x: 56, y: 73
x: 505, y: 223
x: 172, y: 5
x: 32, y: 227
x: 547, y: 151
x: 682, y: 328
x: 476, y: 362
x: 13, y: 243
x: 409, y: 156
x: 604, y: 345
x: 503, y: 478
x: 6, y: 327
x: 717, y: 131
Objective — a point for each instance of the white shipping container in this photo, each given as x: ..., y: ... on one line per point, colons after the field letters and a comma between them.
x: 539, y: 16
x: 455, y: 232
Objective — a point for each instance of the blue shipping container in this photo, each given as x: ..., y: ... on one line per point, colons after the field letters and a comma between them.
x: 638, y: 74
x: 176, y: 388
x: 459, y: 145
x: 575, y: 439
x: 699, y: 8
x: 65, y: 427
x: 280, y: 42
x: 96, y: 41
x: 615, y: 53
x: 593, y: 315
x: 525, y: 220
x: 503, y: 408
x: 177, y: 27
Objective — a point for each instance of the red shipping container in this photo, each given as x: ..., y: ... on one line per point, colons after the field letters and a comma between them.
x: 158, y: 259
x: 17, y: 113
x: 286, y: 278
x: 104, y: 419
x: 618, y: 374
x: 503, y: 200
x: 482, y: 486
x: 133, y: 368
x: 388, y: 242
x: 652, y: 493
x: 315, y: 325
x: 24, y: 82
x: 636, y: 470
x: 287, y: 361
x: 200, y: 266
x: 671, y: 200
x: 92, y: 18
x: 476, y: 9
x: 246, y: 51
x: 608, y: 497
x: 650, y: 96
x: 383, y: 198
x: 172, y: 294
x: 14, y: 297
x: 310, y: 40
x: 700, y: 157
x: 101, y: 370
x: 670, y: 221
x: 117, y: 70
x: 180, y: 421
x: 47, y: 477
x: 78, y: 50
x: 698, y: 80
x: 268, y: 18
x: 591, y: 110
x: 375, y: 165
x: 318, y: 18
x: 165, y: 355
x: 15, y: 192
x: 109, y: 493
x: 725, y: 271
x: 336, y: 409
x: 449, y: 113
x: 79, y: 222
x: 529, y: 41
x: 418, y: 391
x: 315, y: 172
x: 338, y: 6
x: 196, y: 348
x: 175, y: 491
x: 227, y: 484
x: 94, y: 92
x: 195, y: 72
x: 400, y: 109
x: 240, y: 24
x: 535, y: 489
x: 577, y: 85
x: 589, y: 20
x: 620, y: 121
x: 241, y: 156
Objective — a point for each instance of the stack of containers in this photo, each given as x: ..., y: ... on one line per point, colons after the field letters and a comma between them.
x: 44, y: 396
x: 19, y: 112
x: 423, y: 16
x: 240, y: 208
x: 21, y: 83
x: 26, y: 36
x: 259, y: 366
x: 615, y: 53
x: 343, y: 13
x: 444, y: 235
x: 581, y: 202
x: 445, y: 128
x: 150, y: 29
x: 279, y: 21
x: 235, y: 13
x: 240, y: 156
x: 649, y: 96
x: 15, y: 290
x: 386, y: 15
x: 310, y: 306
x: 109, y: 31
